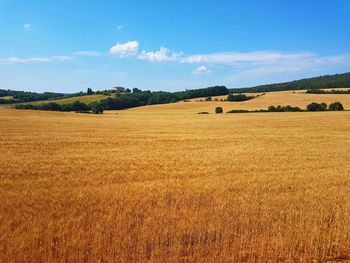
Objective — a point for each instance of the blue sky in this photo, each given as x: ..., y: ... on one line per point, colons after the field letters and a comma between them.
x: 67, y: 46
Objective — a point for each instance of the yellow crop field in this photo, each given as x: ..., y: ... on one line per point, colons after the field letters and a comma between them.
x: 164, y: 184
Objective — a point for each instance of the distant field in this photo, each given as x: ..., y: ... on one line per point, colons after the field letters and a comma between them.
x: 293, y: 98
x: 6, y: 97
x: 86, y: 99
x: 162, y: 184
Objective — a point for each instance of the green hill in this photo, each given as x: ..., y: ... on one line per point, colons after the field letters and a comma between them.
x: 87, y: 99
x: 327, y: 81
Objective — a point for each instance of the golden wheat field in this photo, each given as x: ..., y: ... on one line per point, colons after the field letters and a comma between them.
x: 164, y: 184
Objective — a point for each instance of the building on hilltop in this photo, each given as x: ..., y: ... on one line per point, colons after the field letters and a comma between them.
x: 118, y: 89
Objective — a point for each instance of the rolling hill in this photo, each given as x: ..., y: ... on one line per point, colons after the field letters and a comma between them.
x: 293, y: 98
x: 85, y: 99
x: 321, y: 82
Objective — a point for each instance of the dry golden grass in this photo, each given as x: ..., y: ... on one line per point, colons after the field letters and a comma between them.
x: 146, y: 185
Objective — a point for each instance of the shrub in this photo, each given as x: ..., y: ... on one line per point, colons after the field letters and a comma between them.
x: 272, y: 108
x: 160, y: 97
x: 97, y: 108
x: 238, y: 111
x: 7, y: 101
x: 316, y: 106
x: 316, y: 91
x: 336, y: 106
x: 203, y: 112
x: 83, y: 111
x: 324, y: 106
x: 75, y: 106
x: 25, y: 107
x: 292, y: 109
x: 239, y: 97
x: 219, y: 110
x: 208, y: 98
x: 53, y: 106
x: 280, y: 108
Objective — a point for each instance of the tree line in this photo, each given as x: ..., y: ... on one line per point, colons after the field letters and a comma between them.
x: 27, y: 96
x: 142, y: 98
x: 76, y: 106
x: 314, y: 106
x: 327, y: 81
x: 130, y: 99
x: 333, y: 91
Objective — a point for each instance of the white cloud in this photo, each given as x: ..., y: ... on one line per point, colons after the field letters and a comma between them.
x: 27, y: 27
x: 261, y: 57
x: 297, y: 64
x: 252, y: 74
x: 62, y: 58
x: 35, y: 59
x: 160, y: 55
x: 201, y: 70
x: 129, y: 48
x: 87, y: 53
x: 25, y: 60
x: 269, y: 62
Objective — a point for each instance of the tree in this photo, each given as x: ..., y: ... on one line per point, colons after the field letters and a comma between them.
x: 128, y: 90
x: 161, y: 97
x: 272, y: 108
x: 89, y: 91
x: 136, y: 90
x: 53, y: 106
x: 97, y: 108
x: 198, y: 93
x: 323, y: 106
x: 336, y: 106
x: 75, y: 106
x: 316, y: 106
x: 219, y: 110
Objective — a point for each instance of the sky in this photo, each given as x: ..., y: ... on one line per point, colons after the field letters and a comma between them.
x: 68, y: 46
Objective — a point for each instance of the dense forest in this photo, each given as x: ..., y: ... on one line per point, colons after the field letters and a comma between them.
x: 327, y: 81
